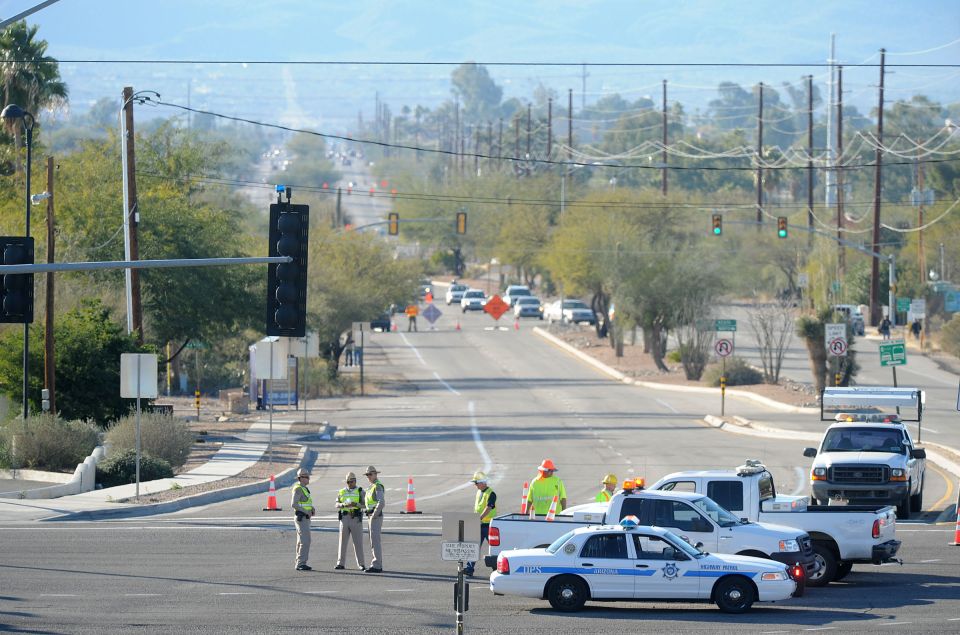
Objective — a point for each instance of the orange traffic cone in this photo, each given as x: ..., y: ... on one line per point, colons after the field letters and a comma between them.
x: 272, y: 498
x: 532, y: 510
x: 956, y: 533
x: 411, y: 500
x: 523, y: 499
x: 553, y: 509
x: 458, y: 324
x: 393, y: 326
x: 516, y: 324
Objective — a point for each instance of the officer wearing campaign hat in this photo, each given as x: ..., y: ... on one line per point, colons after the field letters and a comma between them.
x: 350, y: 504
x: 302, y: 504
x: 544, y: 487
x: 484, y: 504
x: 374, y: 502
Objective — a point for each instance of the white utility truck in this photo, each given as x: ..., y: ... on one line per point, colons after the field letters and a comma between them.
x: 692, y: 516
x: 867, y: 455
x: 842, y: 536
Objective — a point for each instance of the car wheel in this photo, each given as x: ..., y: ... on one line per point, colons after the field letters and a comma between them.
x: 567, y: 593
x: 916, y: 501
x: 903, y: 507
x: 842, y: 570
x: 827, y: 560
x: 733, y: 594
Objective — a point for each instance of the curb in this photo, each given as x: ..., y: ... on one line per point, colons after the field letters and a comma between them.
x: 616, y: 374
x: 307, y: 458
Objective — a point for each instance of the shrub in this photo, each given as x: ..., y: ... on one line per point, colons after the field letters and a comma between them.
x: 162, y: 436
x: 739, y: 373
x: 47, y: 442
x: 950, y: 335
x: 674, y: 356
x: 121, y: 469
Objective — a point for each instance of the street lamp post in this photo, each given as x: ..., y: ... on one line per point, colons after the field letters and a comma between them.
x: 10, y: 113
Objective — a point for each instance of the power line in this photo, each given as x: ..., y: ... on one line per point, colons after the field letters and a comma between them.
x: 499, y: 64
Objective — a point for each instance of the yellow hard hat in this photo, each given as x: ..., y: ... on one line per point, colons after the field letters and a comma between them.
x: 609, y: 479
x: 479, y: 477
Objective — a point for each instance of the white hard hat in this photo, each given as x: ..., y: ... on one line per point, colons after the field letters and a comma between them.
x: 479, y: 477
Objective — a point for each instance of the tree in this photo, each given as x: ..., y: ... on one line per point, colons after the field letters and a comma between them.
x: 479, y: 95
x: 771, y: 324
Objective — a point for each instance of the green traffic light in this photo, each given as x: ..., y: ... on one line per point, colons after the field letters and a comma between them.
x: 716, y: 231
x: 782, y: 233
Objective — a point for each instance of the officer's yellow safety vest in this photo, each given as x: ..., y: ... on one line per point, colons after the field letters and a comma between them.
x: 307, y: 502
x: 371, y: 501
x: 603, y: 496
x: 481, y: 504
x: 349, y: 496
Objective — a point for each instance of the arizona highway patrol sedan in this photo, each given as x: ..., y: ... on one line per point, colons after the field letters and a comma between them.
x: 631, y: 562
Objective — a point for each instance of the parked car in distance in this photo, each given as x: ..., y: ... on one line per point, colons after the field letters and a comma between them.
x: 575, y: 311
x: 473, y: 300
x: 852, y: 314
x: 382, y: 322
x: 426, y: 286
x: 515, y: 291
x: 528, y: 306
x: 455, y: 293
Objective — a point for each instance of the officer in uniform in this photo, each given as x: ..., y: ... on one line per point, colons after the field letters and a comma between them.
x: 609, y: 483
x: 302, y: 504
x: 484, y: 504
x: 350, y: 513
x: 544, y: 487
x: 374, y: 503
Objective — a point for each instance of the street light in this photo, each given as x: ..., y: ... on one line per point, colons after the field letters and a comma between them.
x: 11, y: 113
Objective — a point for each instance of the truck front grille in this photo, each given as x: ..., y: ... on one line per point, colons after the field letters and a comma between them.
x: 859, y: 474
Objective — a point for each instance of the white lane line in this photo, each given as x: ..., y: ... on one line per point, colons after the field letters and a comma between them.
x: 445, y: 384
x: 413, y: 348
x: 320, y: 592
x: 487, y: 461
x: 925, y: 428
x: 58, y: 595
x: 893, y: 623
x: 917, y: 531
x: 667, y: 406
x: 234, y: 593
x: 954, y: 619
x: 801, y: 481
x: 141, y: 595
x: 825, y: 628
x: 934, y: 560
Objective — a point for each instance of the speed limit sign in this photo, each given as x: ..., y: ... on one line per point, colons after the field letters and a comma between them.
x: 723, y: 347
x: 838, y: 347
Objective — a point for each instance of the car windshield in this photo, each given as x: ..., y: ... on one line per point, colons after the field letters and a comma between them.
x: 556, y: 544
x: 574, y: 304
x: 683, y: 545
x: 458, y: 287
x: 719, y: 515
x: 473, y: 294
x: 528, y: 300
x: 519, y: 291
x: 863, y: 440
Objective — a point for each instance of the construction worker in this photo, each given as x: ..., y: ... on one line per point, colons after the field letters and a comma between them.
x: 350, y: 513
x: 609, y: 483
x: 412, y: 311
x: 302, y: 504
x: 484, y: 504
x: 374, y: 503
x: 544, y: 487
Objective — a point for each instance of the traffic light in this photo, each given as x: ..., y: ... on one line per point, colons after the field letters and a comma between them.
x: 287, y: 282
x: 461, y: 222
x: 16, y: 306
x: 717, y: 224
x: 781, y: 226
x: 393, y: 227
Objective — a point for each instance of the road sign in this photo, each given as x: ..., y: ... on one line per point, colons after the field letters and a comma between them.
x: 903, y: 305
x: 833, y: 332
x: 725, y: 325
x: 838, y: 347
x: 496, y: 307
x: 138, y: 376
x: 893, y: 353
x: 951, y: 301
x: 723, y: 347
x: 198, y: 346
x: 918, y: 307
x: 432, y: 313
x: 803, y: 280
x: 460, y: 551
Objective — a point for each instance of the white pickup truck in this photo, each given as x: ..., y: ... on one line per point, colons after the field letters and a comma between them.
x: 693, y: 516
x: 842, y: 536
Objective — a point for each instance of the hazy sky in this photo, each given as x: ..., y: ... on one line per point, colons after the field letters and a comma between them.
x: 639, y: 31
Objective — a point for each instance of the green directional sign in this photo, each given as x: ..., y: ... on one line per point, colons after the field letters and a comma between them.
x: 903, y: 305
x: 200, y: 346
x: 893, y: 353
x: 725, y: 325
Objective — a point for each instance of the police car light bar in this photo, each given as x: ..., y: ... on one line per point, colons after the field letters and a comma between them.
x: 871, y: 397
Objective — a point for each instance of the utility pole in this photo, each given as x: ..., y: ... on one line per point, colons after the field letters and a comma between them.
x: 549, y: 127
x: 132, y: 217
x: 489, y: 143
x: 500, y: 140
x: 877, y: 189
x: 829, y: 181
x: 338, y: 219
x: 476, y: 150
x: 842, y: 253
x: 516, y: 136
x: 529, y: 117
x: 416, y: 141
x: 49, y: 361
x: 663, y: 158
x: 921, y: 196
x: 583, y: 88
x: 810, y: 159
x: 760, y: 157
x: 570, y: 124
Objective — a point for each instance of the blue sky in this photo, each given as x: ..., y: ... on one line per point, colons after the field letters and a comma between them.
x: 658, y: 31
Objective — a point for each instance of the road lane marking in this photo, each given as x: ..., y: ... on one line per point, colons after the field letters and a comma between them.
x: 413, y: 348
x: 445, y: 384
x: 487, y: 461
x: 946, y: 477
x: 58, y: 595
x: 320, y: 592
x: 141, y: 595
x: 668, y: 406
x: 234, y: 593
x: 934, y: 560
x: 893, y: 623
x: 824, y: 628
x: 801, y: 481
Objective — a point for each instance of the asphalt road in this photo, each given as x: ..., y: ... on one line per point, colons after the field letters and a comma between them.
x: 474, y: 399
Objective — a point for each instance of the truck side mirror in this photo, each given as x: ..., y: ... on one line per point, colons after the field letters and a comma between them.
x: 810, y: 452
x: 918, y: 453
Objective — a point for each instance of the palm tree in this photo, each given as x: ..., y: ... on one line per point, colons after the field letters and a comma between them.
x: 30, y: 78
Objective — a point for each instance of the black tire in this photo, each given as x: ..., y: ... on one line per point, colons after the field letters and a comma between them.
x: 843, y: 569
x: 828, y: 565
x: 567, y: 593
x: 903, y: 507
x: 734, y: 594
x: 916, y: 501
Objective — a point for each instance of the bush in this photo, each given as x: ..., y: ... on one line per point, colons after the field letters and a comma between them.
x: 121, y: 469
x: 47, y: 442
x: 739, y: 373
x: 162, y: 436
x: 674, y: 356
x: 950, y: 336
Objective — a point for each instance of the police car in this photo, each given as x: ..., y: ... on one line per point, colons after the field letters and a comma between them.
x: 634, y: 562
